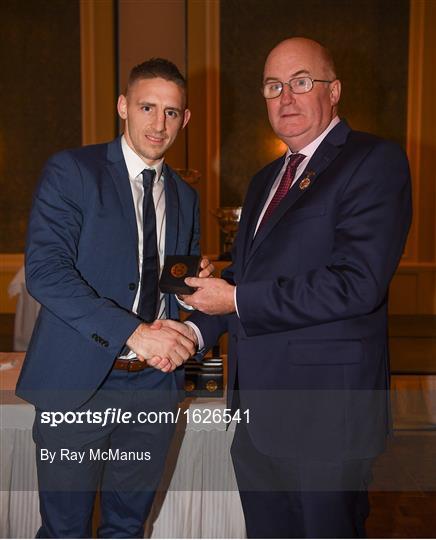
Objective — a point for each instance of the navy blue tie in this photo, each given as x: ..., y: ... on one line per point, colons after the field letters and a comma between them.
x: 148, y: 297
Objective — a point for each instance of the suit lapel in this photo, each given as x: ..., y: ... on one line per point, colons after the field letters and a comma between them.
x: 257, y: 202
x: 321, y: 159
x: 120, y: 176
x: 171, y: 212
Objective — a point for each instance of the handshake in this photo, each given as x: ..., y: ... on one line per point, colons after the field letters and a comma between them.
x: 167, y: 344
x: 164, y: 344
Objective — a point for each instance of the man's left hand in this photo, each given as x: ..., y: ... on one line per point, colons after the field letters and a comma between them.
x: 207, y: 268
x: 213, y: 296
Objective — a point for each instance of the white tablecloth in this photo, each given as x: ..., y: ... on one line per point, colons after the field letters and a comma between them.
x: 19, y: 505
x: 202, y: 500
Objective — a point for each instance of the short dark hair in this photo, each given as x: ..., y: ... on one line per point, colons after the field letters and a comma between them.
x: 157, y: 67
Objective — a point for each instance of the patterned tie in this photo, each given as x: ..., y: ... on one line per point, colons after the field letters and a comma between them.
x: 285, y: 184
x: 147, y: 306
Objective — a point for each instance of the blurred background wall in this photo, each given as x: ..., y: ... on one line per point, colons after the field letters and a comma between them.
x: 40, y: 101
x: 63, y: 63
x: 369, y: 42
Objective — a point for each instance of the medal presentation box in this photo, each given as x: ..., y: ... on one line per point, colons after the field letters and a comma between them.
x: 205, y: 378
x: 176, y: 269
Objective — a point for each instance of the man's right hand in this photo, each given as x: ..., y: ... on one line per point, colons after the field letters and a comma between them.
x: 180, y: 327
x: 163, y: 348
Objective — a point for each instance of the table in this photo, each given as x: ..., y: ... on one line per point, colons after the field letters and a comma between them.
x: 413, y: 400
x: 197, y: 498
x: 26, y: 311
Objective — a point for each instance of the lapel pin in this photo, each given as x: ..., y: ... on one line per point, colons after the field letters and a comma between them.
x: 305, y: 183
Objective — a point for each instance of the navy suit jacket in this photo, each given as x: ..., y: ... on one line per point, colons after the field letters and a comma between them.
x: 82, y: 266
x: 309, y: 347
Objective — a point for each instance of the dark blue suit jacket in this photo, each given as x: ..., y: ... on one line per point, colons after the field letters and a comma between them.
x: 310, y: 344
x: 82, y: 266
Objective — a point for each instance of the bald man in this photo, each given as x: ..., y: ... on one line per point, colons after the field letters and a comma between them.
x: 305, y: 304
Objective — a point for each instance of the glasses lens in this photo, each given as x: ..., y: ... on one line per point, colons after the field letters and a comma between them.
x: 301, y: 85
x: 272, y: 89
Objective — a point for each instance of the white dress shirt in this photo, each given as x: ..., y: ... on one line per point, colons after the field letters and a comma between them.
x: 135, y: 165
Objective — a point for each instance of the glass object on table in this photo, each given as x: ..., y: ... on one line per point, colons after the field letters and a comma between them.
x: 190, y: 176
x: 228, y: 218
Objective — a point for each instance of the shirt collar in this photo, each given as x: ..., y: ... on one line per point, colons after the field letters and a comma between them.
x: 135, y: 165
x: 310, y: 149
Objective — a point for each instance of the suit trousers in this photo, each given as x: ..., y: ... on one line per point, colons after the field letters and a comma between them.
x: 290, y: 498
x: 124, y: 460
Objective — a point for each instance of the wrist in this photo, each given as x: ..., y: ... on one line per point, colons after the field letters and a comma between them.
x: 196, y: 335
x: 193, y: 336
x: 136, y: 333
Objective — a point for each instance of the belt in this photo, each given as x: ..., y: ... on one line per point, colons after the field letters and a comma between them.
x: 130, y: 365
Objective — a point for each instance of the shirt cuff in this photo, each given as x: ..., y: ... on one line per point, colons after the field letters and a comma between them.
x: 184, y: 305
x: 198, y: 334
x: 236, y: 303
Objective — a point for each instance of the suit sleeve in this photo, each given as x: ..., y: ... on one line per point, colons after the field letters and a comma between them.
x: 212, y: 327
x: 52, y: 249
x: 373, y: 218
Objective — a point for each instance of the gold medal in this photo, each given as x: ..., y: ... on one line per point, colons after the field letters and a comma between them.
x: 189, y: 386
x: 179, y: 270
x: 211, y: 386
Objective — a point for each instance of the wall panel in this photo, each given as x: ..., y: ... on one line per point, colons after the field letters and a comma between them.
x: 40, y: 97
x: 147, y: 29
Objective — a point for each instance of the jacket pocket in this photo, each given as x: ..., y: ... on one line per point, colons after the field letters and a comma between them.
x: 307, y: 212
x: 331, y: 352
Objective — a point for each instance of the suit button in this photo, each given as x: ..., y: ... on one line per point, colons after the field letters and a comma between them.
x: 132, y: 286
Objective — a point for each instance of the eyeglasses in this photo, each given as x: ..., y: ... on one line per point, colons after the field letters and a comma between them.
x: 299, y: 85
